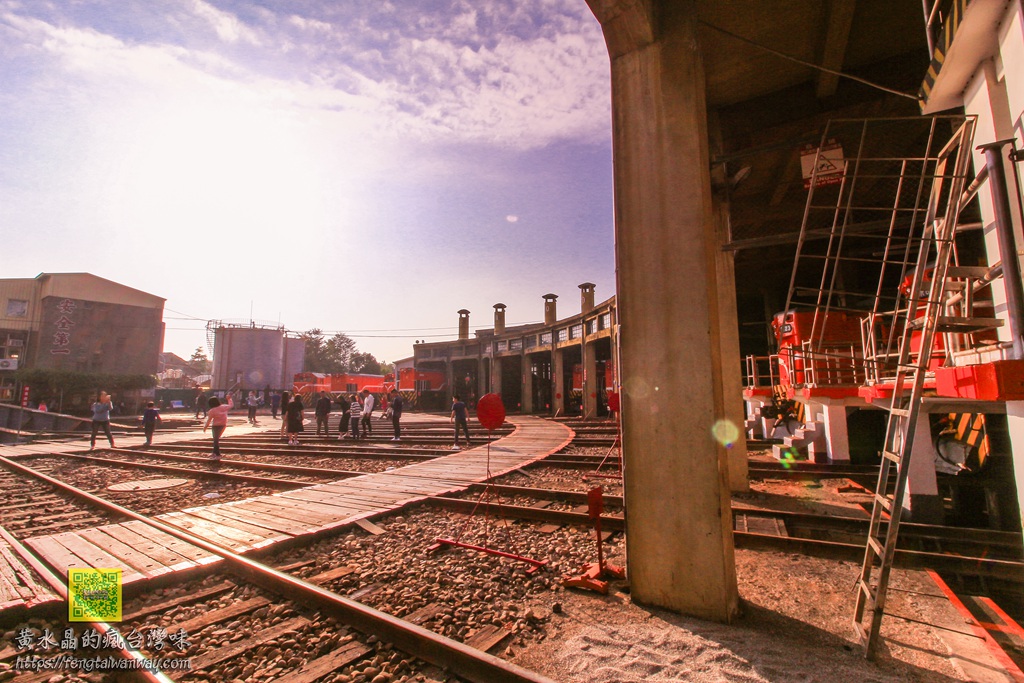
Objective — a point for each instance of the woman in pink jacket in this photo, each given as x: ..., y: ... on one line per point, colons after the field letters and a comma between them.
x: 217, y: 415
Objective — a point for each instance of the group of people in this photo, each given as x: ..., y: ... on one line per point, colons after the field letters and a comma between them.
x: 357, y: 414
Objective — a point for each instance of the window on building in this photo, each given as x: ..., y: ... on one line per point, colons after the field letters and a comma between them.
x: 530, y: 342
x: 515, y: 345
x: 606, y: 321
x: 17, y: 308
x: 502, y: 345
x: 545, y: 339
x: 576, y: 331
x: 563, y: 334
x: 592, y: 326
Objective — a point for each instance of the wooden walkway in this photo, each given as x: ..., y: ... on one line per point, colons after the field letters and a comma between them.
x: 144, y: 553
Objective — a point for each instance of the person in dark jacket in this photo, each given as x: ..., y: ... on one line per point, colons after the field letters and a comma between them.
x: 322, y: 412
x: 293, y: 418
x: 397, y: 403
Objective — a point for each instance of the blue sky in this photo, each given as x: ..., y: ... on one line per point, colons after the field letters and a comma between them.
x: 364, y: 166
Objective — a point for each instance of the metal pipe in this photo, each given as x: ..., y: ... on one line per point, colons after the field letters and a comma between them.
x: 1007, y: 244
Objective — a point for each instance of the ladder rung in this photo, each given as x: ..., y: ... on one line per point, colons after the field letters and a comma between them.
x: 902, y: 412
x: 952, y: 324
x: 890, y: 455
x: 876, y: 546
x: 967, y: 271
x: 866, y: 588
x: 884, y: 502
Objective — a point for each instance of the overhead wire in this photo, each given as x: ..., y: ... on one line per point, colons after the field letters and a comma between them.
x: 811, y: 65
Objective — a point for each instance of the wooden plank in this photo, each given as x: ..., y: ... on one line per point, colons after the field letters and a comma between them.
x: 125, y: 553
x: 214, y: 532
x: 174, y: 545
x: 425, y: 614
x: 256, y: 518
x: 98, y: 557
x: 487, y: 637
x: 329, y: 663
x: 256, y: 535
x: 252, y: 642
x: 217, y: 616
x: 282, y: 519
x: 308, y: 511
x: 335, y: 499
x: 170, y: 559
x: 367, y: 525
x: 13, y: 587
x: 59, y: 557
x: 331, y: 575
x: 161, y: 607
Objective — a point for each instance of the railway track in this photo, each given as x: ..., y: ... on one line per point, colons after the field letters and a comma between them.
x: 312, y: 616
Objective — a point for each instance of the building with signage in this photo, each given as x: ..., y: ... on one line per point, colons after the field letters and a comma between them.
x: 78, y: 322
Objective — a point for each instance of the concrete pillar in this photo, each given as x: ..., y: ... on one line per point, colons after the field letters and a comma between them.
x: 732, y: 369
x: 922, y: 503
x: 496, y: 375
x: 527, y: 401
x: 550, y: 312
x: 591, y: 381
x: 558, y: 382
x: 837, y: 437
x: 679, y: 537
x: 1015, y: 427
x: 463, y: 324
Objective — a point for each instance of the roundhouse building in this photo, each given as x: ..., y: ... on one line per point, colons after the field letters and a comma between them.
x: 558, y: 367
x: 78, y: 322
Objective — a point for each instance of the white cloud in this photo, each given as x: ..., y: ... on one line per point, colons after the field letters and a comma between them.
x: 227, y: 25
x: 512, y: 219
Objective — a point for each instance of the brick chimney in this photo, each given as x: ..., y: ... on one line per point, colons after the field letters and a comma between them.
x: 587, y: 297
x: 550, y: 314
x: 463, y: 324
x: 499, y: 319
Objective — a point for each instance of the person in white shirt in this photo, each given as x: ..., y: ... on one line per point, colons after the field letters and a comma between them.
x: 368, y: 403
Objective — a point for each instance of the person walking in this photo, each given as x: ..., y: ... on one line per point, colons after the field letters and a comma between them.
x: 101, y: 418
x: 460, y: 418
x: 149, y: 419
x: 368, y: 403
x: 293, y: 418
x: 218, y: 417
x: 285, y: 397
x: 252, y: 403
x: 397, y: 403
x: 275, y: 403
x: 322, y: 413
x: 355, y: 414
x: 202, y: 403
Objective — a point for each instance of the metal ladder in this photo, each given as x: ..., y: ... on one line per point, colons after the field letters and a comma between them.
x: 927, y: 316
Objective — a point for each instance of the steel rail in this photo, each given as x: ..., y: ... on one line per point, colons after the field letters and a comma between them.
x: 246, y: 464
x: 147, y: 672
x: 1006, y: 569
x: 1008, y: 541
x: 206, y: 474
x: 458, y: 658
x: 248, y: 449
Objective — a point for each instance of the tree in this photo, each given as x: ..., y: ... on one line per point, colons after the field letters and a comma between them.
x: 365, y: 363
x: 334, y: 355
x: 199, y: 360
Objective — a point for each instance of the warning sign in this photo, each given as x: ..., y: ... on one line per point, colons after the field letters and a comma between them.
x: 823, y: 165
